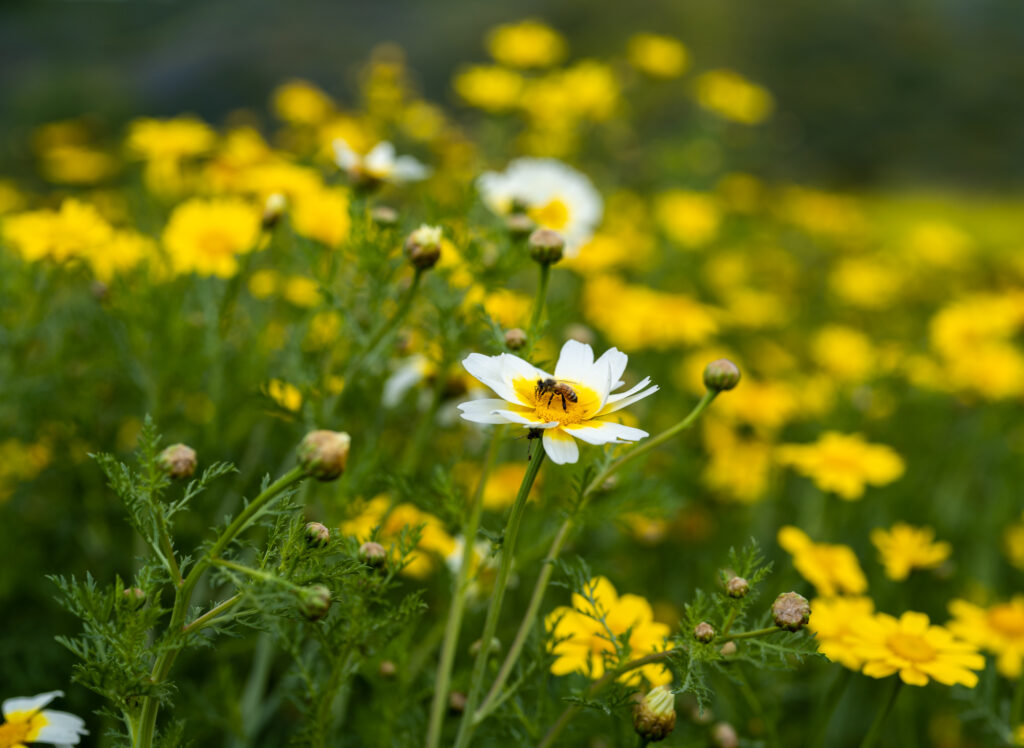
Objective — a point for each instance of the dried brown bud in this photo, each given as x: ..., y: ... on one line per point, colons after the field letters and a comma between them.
x: 546, y: 246
x: 737, y: 587
x: 315, y: 602
x: 703, y: 632
x: 515, y: 339
x: 791, y: 611
x: 324, y: 454
x: 372, y: 554
x: 317, y: 535
x: 721, y: 375
x: 423, y: 247
x: 178, y: 461
x: 654, y: 717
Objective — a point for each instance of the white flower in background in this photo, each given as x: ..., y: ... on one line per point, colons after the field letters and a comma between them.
x: 25, y: 721
x: 566, y: 406
x: 554, y: 195
x: 379, y: 165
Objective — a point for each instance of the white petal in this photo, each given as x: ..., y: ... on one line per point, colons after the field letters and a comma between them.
x: 483, y: 411
x: 534, y: 423
x: 344, y: 156
x: 380, y: 160
x: 561, y: 447
x: 625, y: 399
x: 63, y: 728
x: 616, y: 361
x: 30, y: 703
x: 408, y: 169
x: 488, y: 369
x: 403, y: 380
x: 606, y: 432
x: 575, y: 362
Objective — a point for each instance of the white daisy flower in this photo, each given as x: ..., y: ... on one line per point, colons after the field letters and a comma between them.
x: 379, y: 165
x: 566, y: 406
x: 25, y: 721
x: 554, y: 195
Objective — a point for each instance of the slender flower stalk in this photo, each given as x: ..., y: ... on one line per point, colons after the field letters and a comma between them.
x: 508, y: 546
x: 538, y: 306
x: 876, y: 727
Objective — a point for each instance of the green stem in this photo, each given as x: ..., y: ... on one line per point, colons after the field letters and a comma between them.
x: 562, y: 536
x: 1017, y: 704
x: 168, y: 549
x: 751, y: 634
x: 729, y: 621
x: 829, y: 704
x: 538, y: 304
x: 415, y: 448
x: 876, y: 727
x: 452, y: 628
x: 508, y: 546
x: 207, y: 617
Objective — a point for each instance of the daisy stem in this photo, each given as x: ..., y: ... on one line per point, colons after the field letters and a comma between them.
x: 876, y: 727
x: 454, y: 624
x: 213, y: 613
x: 750, y: 634
x: 508, y: 546
x: 538, y: 304
x: 548, y: 565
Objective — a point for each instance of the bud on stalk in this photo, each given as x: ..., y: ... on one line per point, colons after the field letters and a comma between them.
x: 324, y: 454
x: 654, y: 717
x: 178, y: 461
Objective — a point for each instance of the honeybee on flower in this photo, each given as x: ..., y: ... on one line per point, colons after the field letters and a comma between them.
x: 570, y: 403
x: 380, y: 164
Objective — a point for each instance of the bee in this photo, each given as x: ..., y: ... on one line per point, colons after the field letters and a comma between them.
x: 552, y: 387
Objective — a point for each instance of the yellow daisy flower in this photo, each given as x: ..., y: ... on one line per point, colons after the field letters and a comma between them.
x: 834, y: 620
x: 843, y: 464
x: 832, y: 569
x: 206, y: 236
x: 903, y: 548
x: 998, y: 629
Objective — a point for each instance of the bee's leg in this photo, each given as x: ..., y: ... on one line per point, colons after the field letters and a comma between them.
x: 563, y: 402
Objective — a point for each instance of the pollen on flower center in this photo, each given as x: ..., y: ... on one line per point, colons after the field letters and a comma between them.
x: 911, y: 647
x: 549, y: 407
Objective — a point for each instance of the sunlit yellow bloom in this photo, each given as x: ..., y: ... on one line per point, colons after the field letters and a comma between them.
x: 489, y: 87
x: 866, y: 283
x: 322, y: 215
x: 155, y: 140
x: 526, y: 44
x: 434, y: 543
x: 207, y: 236
x: 832, y: 569
x: 26, y: 721
x: 843, y: 464
x: 903, y: 548
x: 689, y: 218
x: 286, y: 395
x: 124, y: 251
x: 75, y: 230
x: 915, y: 649
x: 844, y: 352
x: 998, y: 629
x: 592, y: 88
x: 658, y: 56
x: 508, y: 308
x: 834, y: 620
x: 301, y: 103
x: 730, y: 95
x: 584, y: 638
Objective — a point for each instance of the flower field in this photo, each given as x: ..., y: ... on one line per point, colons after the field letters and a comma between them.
x: 538, y: 415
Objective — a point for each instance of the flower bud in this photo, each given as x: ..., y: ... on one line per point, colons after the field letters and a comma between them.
x: 372, y: 554
x: 723, y: 735
x: 178, y: 461
x: 387, y: 669
x: 791, y: 611
x: 324, y: 454
x: 474, y: 648
x: 317, y: 535
x: 515, y: 339
x: 135, y: 595
x: 737, y: 587
x: 384, y: 216
x: 315, y: 602
x: 456, y: 702
x: 519, y: 224
x: 423, y: 247
x: 721, y: 375
x: 579, y: 332
x: 729, y: 649
x: 546, y: 246
x: 273, y: 209
x: 703, y: 632
x: 654, y: 717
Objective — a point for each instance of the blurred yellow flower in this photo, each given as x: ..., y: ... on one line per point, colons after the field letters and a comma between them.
x: 767, y: 406
x: 21, y: 461
x: 656, y: 55
x: 998, y: 629
x: 832, y: 569
x: 489, y: 87
x: 591, y: 88
x: 286, y: 395
x: 585, y: 638
x: 263, y: 283
x: 75, y: 230
x: 690, y: 219
x: 206, y: 236
x: 434, y: 543
x: 866, y: 283
x: 843, y: 464
x: 76, y: 164
x: 508, y: 308
x: 124, y: 251
x: 301, y: 291
x: 171, y: 139
x: 915, y: 649
x: 903, y: 548
x: 1013, y: 543
x: 844, y: 352
x: 730, y: 95
x: 738, y: 467
x: 527, y: 44
x: 11, y: 198
x: 938, y: 243
x: 299, y: 102
x: 833, y: 621
x: 322, y: 215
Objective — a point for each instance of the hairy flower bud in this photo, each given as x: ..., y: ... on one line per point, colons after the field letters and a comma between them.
x: 324, y: 454
x: 546, y: 246
x: 737, y: 587
x: 519, y: 224
x: 423, y: 247
x: 387, y: 669
x: 273, y: 209
x: 384, y: 215
x: 372, y: 554
x: 721, y: 375
x: 654, y: 717
x: 791, y: 611
x: 315, y: 602
x: 135, y: 595
x: 317, y: 535
x: 515, y: 339
x: 723, y: 735
x: 728, y: 649
x: 178, y: 461
x: 703, y: 632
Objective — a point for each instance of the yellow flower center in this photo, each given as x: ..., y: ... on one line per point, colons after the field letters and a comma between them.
x: 1008, y: 620
x: 911, y: 647
x: 558, y: 400
x: 21, y: 727
x: 554, y: 215
x: 215, y: 243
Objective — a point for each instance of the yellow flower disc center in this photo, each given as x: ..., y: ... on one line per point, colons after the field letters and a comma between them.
x: 555, y: 402
x: 554, y: 215
x: 21, y: 727
x: 911, y: 647
x: 1007, y: 620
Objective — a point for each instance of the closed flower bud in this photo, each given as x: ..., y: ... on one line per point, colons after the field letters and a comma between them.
x: 388, y: 669
x: 273, y: 209
x: 317, y: 535
x: 384, y: 215
x: 579, y: 332
x: 728, y: 649
x: 723, y: 735
x: 456, y: 702
x: 791, y: 611
x: 423, y: 247
x: 315, y: 602
x: 519, y: 224
x: 515, y: 339
x: 324, y: 454
x: 721, y: 375
x: 372, y: 554
x: 654, y: 717
x: 546, y: 246
x: 737, y: 587
x: 703, y: 632
x: 135, y: 595
x: 178, y: 461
